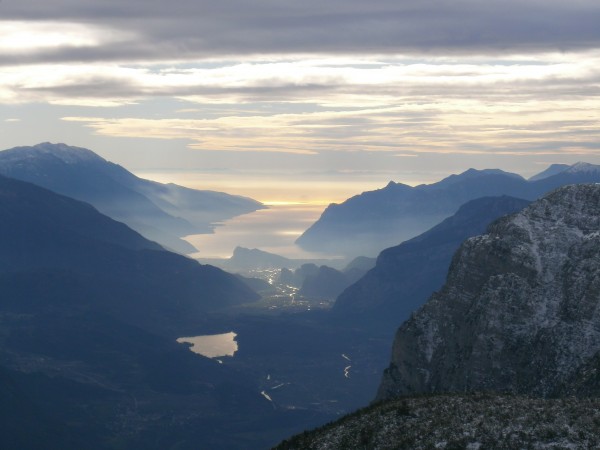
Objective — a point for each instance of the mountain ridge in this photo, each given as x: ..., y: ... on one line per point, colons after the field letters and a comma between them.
x: 162, y: 212
x: 52, y: 237
x: 369, y: 222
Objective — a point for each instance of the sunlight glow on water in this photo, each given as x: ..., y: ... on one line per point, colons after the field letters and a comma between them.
x: 273, y: 230
x: 212, y: 346
x: 295, y: 200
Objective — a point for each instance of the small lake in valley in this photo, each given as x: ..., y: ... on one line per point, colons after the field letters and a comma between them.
x: 212, y: 346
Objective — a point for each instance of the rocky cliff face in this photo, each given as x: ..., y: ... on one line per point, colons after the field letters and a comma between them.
x: 520, y: 310
x: 460, y: 421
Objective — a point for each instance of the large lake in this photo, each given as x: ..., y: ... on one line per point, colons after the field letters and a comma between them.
x: 212, y: 346
x: 273, y: 230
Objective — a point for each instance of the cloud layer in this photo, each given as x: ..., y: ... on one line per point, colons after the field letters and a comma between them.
x: 189, y: 29
x: 468, y: 77
x: 546, y: 104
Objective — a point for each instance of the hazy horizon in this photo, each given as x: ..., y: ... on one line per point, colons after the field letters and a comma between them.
x: 379, y: 88
x: 306, y: 188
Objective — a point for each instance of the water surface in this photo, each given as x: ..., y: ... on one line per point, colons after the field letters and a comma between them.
x: 212, y: 346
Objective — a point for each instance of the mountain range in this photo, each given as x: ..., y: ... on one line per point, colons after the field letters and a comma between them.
x: 507, y: 353
x: 406, y: 275
x: 161, y: 212
x: 372, y: 221
x: 247, y: 260
x: 91, y: 309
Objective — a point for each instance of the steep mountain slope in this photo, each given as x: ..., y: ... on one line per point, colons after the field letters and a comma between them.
x: 56, y: 246
x: 520, y: 310
x: 553, y: 169
x: 460, y: 422
x: 406, y: 275
x: 326, y: 283
x: 161, y: 212
x: 367, y: 223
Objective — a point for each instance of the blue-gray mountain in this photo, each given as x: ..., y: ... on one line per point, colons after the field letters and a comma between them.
x: 372, y: 221
x: 55, y: 247
x: 406, y: 275
x: 520, y: 310
x: 89, y: 313
x: 161, y: 212
x: 324, y: 282
x: 250, y: 259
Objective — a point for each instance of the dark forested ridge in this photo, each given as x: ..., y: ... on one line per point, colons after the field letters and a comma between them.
x: 89, y: 314
x: 54, y: 246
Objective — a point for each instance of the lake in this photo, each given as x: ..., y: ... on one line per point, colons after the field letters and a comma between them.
x: 273, y: 230
x: 212, y: 346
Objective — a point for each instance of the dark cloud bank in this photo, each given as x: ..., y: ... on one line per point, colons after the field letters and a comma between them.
x: 199, y: 29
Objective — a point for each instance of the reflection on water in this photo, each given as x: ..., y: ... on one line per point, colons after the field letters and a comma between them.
x: 273, y: 230
x: 212, y: 346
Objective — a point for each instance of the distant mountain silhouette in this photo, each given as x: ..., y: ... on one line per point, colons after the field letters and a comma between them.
x: 550, y: 171
x: 367, y: 223
x: 358, y: 267
x: 324, y: 282
x: 249, y: 259
x: 161, y: 212
x: 406, y: 275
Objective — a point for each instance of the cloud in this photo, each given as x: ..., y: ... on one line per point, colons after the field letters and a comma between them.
x: 510, y: 77
x: 152, y: 30
x: 331, y: 82
x: 468, y: 127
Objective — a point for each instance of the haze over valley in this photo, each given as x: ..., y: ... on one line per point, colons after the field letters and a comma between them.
x: 246, y: 225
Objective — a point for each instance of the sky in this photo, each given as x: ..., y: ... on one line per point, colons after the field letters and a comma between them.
x: 310, y: 101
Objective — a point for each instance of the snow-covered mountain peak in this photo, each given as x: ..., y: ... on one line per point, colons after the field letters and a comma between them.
x: 65, y: 153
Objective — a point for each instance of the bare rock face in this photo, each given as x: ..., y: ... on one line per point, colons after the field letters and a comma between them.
x: 520, y: 310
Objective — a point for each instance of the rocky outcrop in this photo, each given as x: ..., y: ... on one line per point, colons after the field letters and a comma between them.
x: 520, y: 310
x: 460, y: 421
